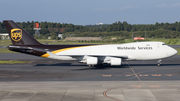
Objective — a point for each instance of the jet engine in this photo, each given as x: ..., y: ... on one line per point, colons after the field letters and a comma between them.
x: 92, y: 61
x: 115, y: 61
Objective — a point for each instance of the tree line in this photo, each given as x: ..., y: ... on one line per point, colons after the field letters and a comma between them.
x: 121, y: 29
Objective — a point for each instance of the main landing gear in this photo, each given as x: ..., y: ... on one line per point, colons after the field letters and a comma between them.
x: 91, y: 65
x: 97, y: 66
x: 159, y: 63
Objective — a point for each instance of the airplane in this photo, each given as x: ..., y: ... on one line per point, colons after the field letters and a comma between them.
x: 92, y: 55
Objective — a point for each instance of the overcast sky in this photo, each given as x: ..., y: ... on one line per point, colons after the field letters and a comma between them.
x: 85, y: 12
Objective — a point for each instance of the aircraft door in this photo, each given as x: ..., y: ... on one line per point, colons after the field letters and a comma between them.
x: 158, y: 46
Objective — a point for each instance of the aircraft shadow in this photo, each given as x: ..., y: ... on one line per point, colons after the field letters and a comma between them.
x: 105, y: 66
x: 154, y: 64
x: 99, y: 68
x: 58, y: 64
x: 125, y: 66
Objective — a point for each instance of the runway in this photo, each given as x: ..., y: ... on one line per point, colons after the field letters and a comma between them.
x: 53, y: 80
x: 41, y: 69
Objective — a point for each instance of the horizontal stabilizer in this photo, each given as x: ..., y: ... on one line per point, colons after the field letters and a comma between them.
x: 51, y: 54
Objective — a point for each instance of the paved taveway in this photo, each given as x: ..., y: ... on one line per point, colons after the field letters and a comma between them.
x: 53, y: 80
x: 90, y: 91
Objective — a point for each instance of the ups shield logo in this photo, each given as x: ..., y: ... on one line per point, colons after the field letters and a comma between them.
x: 16, y: 34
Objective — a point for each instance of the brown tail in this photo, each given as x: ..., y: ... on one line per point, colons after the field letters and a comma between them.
x: 18, y: 35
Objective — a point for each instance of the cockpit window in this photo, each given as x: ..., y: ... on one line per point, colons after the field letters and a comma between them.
x: 163, y: 44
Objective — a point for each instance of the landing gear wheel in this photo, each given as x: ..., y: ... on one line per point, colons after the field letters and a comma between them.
x: 91, y: 65
x: 99, y: 65
x: 159, y: 63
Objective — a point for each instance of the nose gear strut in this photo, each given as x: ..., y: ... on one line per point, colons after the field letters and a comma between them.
x: 159, y: 63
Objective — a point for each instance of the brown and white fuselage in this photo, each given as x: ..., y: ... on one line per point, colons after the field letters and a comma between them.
x: 112, y: 54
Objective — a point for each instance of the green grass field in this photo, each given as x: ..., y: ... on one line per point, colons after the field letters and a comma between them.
x: 5, y: 50
x: 45, y: 41
x: 12, y: 62
x: 178, y: 49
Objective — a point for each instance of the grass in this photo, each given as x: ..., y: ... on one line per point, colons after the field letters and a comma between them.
x: 5, y: 42
x: 178, y: 49
x: 12, y: 62
x: 5, y: 50
x: 44, y: 41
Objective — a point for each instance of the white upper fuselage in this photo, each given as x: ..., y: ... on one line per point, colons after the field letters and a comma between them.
x: 133, y: 51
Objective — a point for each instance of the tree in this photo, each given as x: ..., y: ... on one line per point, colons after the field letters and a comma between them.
x: 44, y: 31
x: 53, y: 35
x: 157, y: 25
x: 178, y: 28
x: 125, y: 26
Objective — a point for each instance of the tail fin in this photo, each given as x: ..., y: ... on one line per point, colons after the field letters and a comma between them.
x: 18, y: 35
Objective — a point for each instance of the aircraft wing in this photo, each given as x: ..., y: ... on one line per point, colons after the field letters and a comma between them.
x: 79, y: 57
x: 116, y: 56
x: 91, y: 55
x: 74, y: 56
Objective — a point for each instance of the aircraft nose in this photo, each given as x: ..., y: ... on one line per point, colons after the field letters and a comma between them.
x: 173, y: 51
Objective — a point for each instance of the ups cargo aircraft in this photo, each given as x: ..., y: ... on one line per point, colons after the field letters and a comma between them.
x: 112, y: 54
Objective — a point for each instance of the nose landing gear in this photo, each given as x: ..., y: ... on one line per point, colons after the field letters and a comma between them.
x: 159, y: 63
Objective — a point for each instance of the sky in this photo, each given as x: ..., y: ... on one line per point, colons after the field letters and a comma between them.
x: 86, y: 12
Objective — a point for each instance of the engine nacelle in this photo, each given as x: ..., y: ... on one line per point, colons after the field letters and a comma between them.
x: 92, y: 61
x: 115, y: 61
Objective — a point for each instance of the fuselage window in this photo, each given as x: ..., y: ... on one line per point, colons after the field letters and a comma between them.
x: 147, y: 44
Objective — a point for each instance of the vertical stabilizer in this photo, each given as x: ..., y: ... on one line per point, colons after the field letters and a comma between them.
x: 18, y: 35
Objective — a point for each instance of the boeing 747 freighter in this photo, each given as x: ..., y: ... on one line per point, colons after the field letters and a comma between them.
x: 91, y: 55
